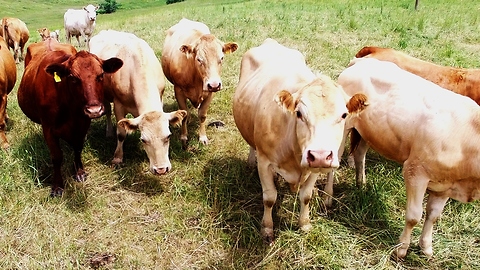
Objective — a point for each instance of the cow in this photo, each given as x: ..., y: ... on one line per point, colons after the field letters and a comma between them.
x: 16, y: 34
x: 62, y: 92
x: 55, y: 34
x: 459, y: 80
x: 80, y: 22
x: 192, y: 60
x: 292, y: 119
x: 42, y: 47
x: 429, y: 130
x: 137, y: 88
x: 8, y: 78
x: 44, y: 33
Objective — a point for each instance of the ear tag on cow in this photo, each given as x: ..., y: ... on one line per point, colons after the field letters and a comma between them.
x: 56, y: 77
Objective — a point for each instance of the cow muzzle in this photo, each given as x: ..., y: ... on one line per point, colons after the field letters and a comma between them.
x: 322, y: 159
x: 94, y: 111
x: 214, y: 86
x: 160, y: 171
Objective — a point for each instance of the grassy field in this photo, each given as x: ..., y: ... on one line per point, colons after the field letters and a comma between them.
x: 206, y: 213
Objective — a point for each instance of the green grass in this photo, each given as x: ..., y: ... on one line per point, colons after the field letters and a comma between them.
x: 206, y: 213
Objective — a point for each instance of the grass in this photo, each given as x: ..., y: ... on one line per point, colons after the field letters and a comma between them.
x: 206, y: 213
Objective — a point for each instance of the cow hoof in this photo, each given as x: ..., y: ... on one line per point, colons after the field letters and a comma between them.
x: 56, y: 192
x: 203, y: 140
x: 428, y: 252
x: 401, y: 252
x: 184, y: 145
x: 268, y: 237
x: 306, y: 227
x: 81, y: 176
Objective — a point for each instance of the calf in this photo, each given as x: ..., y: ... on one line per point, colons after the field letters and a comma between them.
x: 137, y: 88
x: 292, y: 119
x: 63, y: 92
x: 16, y: 34
x: 192, y: 60
x: 429, y: 130
x: 8, y: 77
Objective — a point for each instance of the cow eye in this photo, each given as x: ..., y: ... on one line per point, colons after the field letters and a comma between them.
x: 73, y: 79
x: 167, y: 139
x: 200, y: 60
x: 299, y: 115
x: 344, y: 115
x: 144, y: 141
x: 100, y: 78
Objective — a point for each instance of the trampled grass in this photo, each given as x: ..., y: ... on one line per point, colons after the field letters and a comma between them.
x: 206, y: 213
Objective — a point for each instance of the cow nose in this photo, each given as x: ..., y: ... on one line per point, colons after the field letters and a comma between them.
x: 94, y: 111
x: 320, y: 159
x: 160, y: 171
x: 214, y: 86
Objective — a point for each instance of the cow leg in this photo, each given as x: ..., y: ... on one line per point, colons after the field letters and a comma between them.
x: 16, y: 52
x: 121, y: 135
x: 328, y: 189
x: 3, y: 122
x: 251, y: 157
x: 359, y: 159
x: 305, y: 197
x: 202, y: 114
x: 434, y: 209
x: 109, y: 133
x: 269, y: 197
x: 416, y: 185
x: 80, y: 174
x: 182, y: 105
x: 57, y: 159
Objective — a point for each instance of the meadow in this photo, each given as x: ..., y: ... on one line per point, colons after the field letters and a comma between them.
x: 206, y: 212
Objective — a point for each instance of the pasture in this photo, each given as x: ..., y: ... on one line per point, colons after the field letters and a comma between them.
x: 206, y: 212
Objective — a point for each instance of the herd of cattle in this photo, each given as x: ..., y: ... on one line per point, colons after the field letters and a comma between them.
x: 296, y: 121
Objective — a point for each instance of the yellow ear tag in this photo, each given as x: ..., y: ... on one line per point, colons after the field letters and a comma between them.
x: 56, y: 77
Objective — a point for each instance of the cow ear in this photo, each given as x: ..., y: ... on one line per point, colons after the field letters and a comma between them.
x: 112, y: 65
x: 177, y: 117
x: 187, y: 50
x: 286, y: 100
x: 130, y: 125
x: 357, y: 103
x: 57, y: 69
x: 230, y: 47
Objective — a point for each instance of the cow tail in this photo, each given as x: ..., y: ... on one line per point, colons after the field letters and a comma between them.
x: 355, y: 139
x: 364, y: 52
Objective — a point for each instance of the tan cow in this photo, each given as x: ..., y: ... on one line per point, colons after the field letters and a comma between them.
x: 192, y: 60
x: 8, y: 77
x: 44, y: 33
x: 431, y: 131
x: 16, y: 34
x: 137, y: 88
x: 459, y: 80
x: 293, y: 120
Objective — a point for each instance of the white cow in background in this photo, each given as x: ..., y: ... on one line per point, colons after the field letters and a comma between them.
x: 80, y: 22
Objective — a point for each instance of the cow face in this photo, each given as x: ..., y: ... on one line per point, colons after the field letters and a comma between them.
x: 83, y: 73
x: 320, y: 111
x: 91, y: 12
x: 208, y: 53
x: 155, y: 136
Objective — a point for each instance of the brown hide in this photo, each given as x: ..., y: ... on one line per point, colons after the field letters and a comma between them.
x: 459, y: 80
x: 63, y: 92
x: 49, y: 44
x: 8, y: 77
x: 16, y: 34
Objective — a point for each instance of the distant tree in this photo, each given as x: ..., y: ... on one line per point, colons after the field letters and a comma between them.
x: 109, y: 6
x: 173, y: 1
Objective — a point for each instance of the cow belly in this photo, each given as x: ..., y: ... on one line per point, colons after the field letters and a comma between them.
x: 464, y: 190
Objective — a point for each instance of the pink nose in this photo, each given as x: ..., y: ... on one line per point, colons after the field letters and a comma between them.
x: 94, y: 111
x: 320, y: 159
x: 214, y: 86
x: 160, y: 171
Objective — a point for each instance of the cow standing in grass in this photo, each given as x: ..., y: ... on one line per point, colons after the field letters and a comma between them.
x: 80, y: 22
x: 8, y: 77
x: 15, y: 32
x: 434, y: 133
x: 192, y: 60
x: 292, y: 119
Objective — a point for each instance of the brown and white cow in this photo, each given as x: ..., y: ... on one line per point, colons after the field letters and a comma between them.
x: 8, y: 77
x: 459, y: 80
x: 192, y: 60
x: 137, y: 88
x: 16, y: 34
x: 431, y: 131
x: 293, y: 120
x: 63, y: 92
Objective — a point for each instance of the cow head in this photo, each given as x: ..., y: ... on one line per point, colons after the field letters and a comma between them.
x: 320, y: 111
x: 91, y: 12
x: 44, y: 33
x: 155, y: 136
x: 83, y: 73
x: 208, y: 53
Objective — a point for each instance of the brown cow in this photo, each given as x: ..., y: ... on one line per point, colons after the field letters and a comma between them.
x: 459, y: 80
x: 192, y: 60
x: 63, y: 92
x: 432, y: 132
x: 292, y: 119
x: 16, y: 34
x: 8, y: 77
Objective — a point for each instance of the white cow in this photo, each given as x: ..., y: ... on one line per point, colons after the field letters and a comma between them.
x: 137, y: 89
x: 293, y: 120
x: 433, y: 132
x: 80, y: 22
